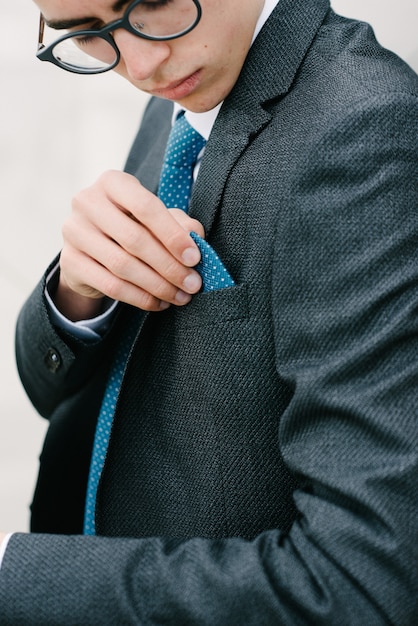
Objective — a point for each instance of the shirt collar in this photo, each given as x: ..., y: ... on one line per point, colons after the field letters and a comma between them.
x: 203, y: 122
x: 269, y: 6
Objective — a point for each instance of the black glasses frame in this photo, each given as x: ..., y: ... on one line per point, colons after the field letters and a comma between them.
x: 45, y: 53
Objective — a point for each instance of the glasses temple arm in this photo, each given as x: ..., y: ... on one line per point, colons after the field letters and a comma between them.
x: 41, y: 32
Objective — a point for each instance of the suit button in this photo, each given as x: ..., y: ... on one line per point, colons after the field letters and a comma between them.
x: 53, y: 360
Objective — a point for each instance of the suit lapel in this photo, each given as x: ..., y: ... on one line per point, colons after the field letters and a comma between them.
x: 229, y: 138
x: 267, y: 75
x: 147, y: 152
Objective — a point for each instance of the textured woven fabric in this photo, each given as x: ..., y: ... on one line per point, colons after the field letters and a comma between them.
x: 312, y: 357
x: 183, y: 147
x: 213, y: 272
x: 104, y: 425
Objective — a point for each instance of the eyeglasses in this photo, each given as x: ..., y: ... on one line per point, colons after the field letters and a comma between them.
x: 95, y: 51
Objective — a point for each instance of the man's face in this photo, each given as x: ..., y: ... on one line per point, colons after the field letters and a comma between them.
x: 197, y: 70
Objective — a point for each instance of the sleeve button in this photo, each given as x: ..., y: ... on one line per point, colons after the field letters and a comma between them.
x: 53, y: 360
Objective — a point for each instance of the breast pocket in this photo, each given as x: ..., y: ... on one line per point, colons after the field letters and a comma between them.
x: 215, y: 307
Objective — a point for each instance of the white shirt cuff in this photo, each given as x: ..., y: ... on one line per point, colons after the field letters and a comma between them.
x: 90, y: 329
x: 4, y: 546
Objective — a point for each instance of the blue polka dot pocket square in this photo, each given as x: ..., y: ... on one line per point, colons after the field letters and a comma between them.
x: 213, y: 272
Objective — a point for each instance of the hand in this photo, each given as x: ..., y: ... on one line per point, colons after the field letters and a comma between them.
x: 2, y: 536
x: 120, y: 241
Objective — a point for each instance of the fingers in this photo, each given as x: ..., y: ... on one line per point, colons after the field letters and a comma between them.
x: 107, y: 284
x: 121, y: 241
x: 130, y: 246
x: 130, y: 196
x: 188, y: 223
x: 117, y: 272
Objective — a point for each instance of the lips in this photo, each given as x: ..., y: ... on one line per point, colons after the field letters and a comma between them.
x: 179, y: 89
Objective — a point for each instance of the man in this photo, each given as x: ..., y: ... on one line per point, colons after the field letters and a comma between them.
x: 263, y: 455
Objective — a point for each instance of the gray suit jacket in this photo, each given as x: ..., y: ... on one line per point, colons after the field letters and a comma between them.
x: 262, y: 467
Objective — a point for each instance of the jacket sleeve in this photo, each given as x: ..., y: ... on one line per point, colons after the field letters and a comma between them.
x: 52, y: 363
x: 347, y: 341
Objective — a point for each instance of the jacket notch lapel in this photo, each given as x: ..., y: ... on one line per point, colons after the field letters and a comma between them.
x: 230, y: 136
x: 267, y: 75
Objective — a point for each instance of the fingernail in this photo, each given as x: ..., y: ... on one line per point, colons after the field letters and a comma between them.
x: 192, y: 282
x: 164, y: 305
x: 191, y: 256
x: 182, y: 298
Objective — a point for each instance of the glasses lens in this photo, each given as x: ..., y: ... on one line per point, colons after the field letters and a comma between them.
x: 85, y: 53
x: 160, y: 19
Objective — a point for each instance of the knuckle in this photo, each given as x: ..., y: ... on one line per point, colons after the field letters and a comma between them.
x: 66, y: 258
x: 132, y: 240
x: 80, y: 199
x: 197, y: 227
x: 108, y: 176
x: 111, y: 287
x: 161, y: 289
x: 148, y: 302
x: 175, y: 271
x: 144, y: 209
x: 117, y: 262
x: 66, y: 230
x: 186, y: 222
x: 179, y: 215
x: 175, y: 240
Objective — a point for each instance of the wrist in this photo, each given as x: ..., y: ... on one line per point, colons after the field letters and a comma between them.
x: 72, y: 305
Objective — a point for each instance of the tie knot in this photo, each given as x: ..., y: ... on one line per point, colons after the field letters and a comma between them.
x: 184, y: 144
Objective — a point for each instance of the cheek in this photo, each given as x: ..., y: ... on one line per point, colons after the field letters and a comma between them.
x: 121, y: 70
x: 230, y: 46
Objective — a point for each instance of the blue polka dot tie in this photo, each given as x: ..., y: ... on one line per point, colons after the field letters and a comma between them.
x: 183, y: 147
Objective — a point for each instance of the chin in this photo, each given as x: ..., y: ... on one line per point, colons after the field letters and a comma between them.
x: 200, y: 103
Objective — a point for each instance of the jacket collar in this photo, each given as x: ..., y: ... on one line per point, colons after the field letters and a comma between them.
x: 267, y: 75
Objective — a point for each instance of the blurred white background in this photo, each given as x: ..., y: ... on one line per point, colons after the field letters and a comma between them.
x: 58, y: 132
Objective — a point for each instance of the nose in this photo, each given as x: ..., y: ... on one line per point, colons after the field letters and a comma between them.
x: 141, y: 57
